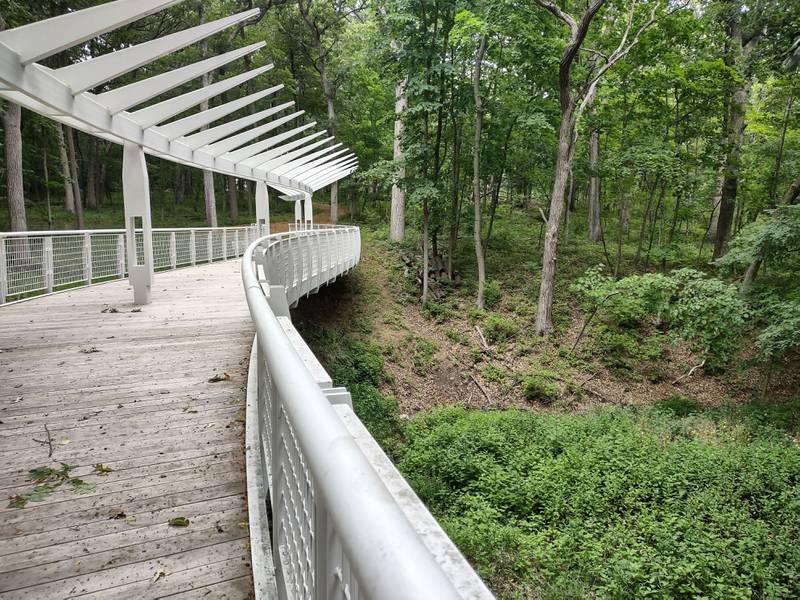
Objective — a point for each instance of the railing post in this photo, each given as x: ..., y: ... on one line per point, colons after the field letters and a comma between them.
x: 47, y: 263
x: 224, y: 244
x: 87, y: 257
x: 3, y: 271
x: 238, y: 250
x: 173, y: 251
x: 121, y: 255
x: 192, y: 248
x: 210, y: 245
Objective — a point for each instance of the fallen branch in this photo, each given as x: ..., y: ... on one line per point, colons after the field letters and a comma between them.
x: 690, y: 373
x: 480, y: 387
x: 484, y: 343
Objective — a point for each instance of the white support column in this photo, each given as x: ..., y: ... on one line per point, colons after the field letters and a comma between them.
x: 3, y: 271
x: 121, y: 255
x: 224, y: 244
x: 173, y: 251
x: 192, y: 248
x: 262, y: 207
x: 87, y: 257
x: 47, y: 263
x: 309, y: 212
x: 136, y: 193
x: 210, y: 245
x: 298, y: 214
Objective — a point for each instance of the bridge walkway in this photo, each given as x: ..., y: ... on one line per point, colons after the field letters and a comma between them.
x: 124, y: 397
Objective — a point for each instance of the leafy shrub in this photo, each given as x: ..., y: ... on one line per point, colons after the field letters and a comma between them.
x: 492, y: 294
x: 611, y: 504
x: 493, y: 373
x: 539, y: 387
x: 436, y: 311
x: 497, y: 328
x: 679, y: 406
x: 703, y: 311
x: 378, y: 412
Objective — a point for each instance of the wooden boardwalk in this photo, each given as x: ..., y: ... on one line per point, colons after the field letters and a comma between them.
x: 128, y: 391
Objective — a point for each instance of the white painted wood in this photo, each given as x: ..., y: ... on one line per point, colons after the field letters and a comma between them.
x: 158, y: 113
x: 272, y: 164
x: 85, y: 75
x: 136, y: 198
x: 236, y: 156
x: 235, y: 141
x: 262, y: 157
x: 220, y: 134
x: 133, y: 94
x: 186, y: 125
x: 44, y: 38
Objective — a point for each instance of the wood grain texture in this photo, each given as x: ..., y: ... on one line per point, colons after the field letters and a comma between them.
x: 129, y: 390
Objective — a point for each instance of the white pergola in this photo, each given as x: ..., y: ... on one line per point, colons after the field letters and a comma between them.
x: 296, y: 165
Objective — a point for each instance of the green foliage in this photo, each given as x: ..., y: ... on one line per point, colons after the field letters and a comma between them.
x: 704, y: 311
x: 612, y: 504
x: 782, y: 334
x: 48, y: 480
x: 492, y: 293
x: 539, y: 387
x: 678, y: 405
x: 498, y: 328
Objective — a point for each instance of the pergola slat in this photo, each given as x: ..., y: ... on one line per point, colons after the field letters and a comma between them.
x: 233, y: 142
x: 158, y: 113
x: 247, y: 151
x: 175, y: 129
x: 260, y: 159
x: 44, y: 38
x: 224, y: 130
x: 88, y: 74
x: 136, y: 93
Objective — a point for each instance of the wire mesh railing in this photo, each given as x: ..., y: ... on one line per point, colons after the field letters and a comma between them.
x: 336, y: 530
x: 41, y: 262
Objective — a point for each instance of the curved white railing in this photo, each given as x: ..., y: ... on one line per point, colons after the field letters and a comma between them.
x: 343, y: 522
x: 40, y: 262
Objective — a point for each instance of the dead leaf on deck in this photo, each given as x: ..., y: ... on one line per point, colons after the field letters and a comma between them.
x: 160, y: 574
x: 136, y: 310
x: 102, y: 469
x: 118, y: 515
x: 109, y: 309
x: 179, y: 522
x: 217, y: 378
x: 91, y: 350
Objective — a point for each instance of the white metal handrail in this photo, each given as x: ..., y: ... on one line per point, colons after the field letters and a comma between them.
x: 336, y: 530
x: 40, y: 262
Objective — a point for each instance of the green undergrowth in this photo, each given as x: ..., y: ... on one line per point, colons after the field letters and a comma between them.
x: 665, y: 502
x: 668, y: 501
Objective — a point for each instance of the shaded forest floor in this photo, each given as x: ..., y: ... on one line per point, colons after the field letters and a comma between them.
x: 564, y: 471
x: 449, y: 353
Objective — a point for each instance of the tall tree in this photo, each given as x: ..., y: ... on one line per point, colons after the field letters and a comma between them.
x: 397, y: 227
x: 12, y: 124
x: 573, y: 99
x: 476, y: 170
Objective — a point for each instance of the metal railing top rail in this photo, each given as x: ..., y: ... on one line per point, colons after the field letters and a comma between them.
x: 9, y: 234
x: 386, y: 554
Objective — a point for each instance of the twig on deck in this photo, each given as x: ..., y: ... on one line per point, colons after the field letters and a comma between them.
x: 48, y: 441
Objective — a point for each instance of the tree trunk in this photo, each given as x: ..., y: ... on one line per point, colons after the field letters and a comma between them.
x: 455, y: 200
x: 12, y: 123
x: 544, y: 310
x: 476, y: 172
x: 594, y: 187
x: 91, y: 174
x: 773, y: 191
x: 791, y: 196
x: 397, y: 228
x: 73, y: 170
x: 208, y: 176
x: 69, y: 196
x: 735, y: 137
x: 233, y: 199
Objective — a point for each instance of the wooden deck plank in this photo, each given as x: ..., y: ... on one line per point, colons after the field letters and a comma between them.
x: 143, y: 406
